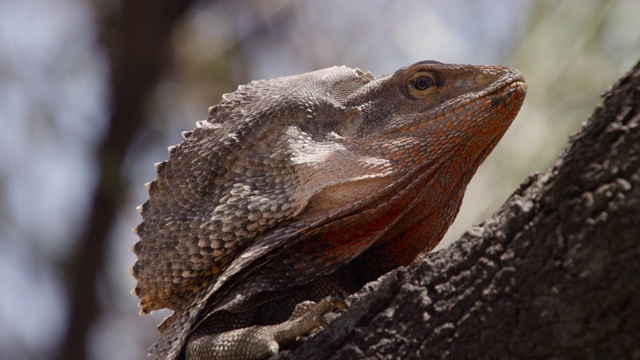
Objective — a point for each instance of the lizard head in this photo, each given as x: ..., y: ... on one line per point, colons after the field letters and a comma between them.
x: 422, y: 115
x: 420, y: 133
x: 434, y: 108
x: 429, y: 91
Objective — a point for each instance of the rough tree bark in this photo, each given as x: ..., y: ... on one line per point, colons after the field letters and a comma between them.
x: 555, y: 273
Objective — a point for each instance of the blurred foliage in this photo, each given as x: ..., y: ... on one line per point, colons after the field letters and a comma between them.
x: 54, y: 94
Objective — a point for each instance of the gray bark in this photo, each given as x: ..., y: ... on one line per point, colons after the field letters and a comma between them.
x: 555, y: 273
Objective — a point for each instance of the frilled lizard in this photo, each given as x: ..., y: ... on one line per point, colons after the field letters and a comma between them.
x: 304, y: 187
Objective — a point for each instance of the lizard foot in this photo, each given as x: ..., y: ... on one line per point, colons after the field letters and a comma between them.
x: 259, y: 342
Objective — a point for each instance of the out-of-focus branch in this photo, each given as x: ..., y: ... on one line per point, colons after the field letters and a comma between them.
x: 135, y: 36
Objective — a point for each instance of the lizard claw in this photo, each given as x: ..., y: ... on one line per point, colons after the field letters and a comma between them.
x: 338, y: 303
x: 326, y: 305
x: 322, y: 322
x: 274, y: 347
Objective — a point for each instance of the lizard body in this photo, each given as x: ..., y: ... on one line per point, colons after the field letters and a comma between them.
x: 306, y: 186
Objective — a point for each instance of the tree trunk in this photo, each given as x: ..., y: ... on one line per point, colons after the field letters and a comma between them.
x: 555, y: 273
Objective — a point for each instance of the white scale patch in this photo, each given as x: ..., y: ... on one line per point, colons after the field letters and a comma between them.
x: 307, y: 151
x: 351, y: 166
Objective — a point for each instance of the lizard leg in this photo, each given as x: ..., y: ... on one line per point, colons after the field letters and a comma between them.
x: 259, y: 342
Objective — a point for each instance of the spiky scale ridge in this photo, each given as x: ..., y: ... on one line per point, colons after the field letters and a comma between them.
x: 159, y: 166
x: 150, y: 185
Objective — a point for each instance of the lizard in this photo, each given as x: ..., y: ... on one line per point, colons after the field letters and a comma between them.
x: 296, y: 191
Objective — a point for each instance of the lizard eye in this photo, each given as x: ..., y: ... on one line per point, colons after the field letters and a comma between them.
x: 421, y: 84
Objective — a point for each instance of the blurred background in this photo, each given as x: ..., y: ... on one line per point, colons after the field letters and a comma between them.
x: 92, y: 93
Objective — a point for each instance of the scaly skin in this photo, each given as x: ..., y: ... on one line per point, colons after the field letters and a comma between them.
x: 307, y: 186
x: 258, y: 342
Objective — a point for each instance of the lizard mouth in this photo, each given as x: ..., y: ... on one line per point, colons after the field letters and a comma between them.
x: 502, y: 86
x: 508, y: 90
x: 505, y: 94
